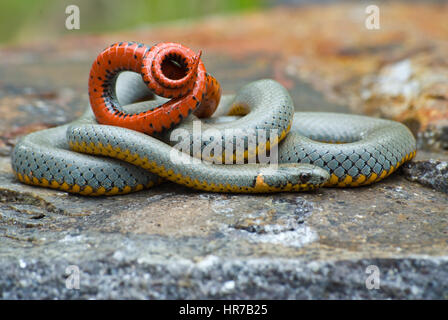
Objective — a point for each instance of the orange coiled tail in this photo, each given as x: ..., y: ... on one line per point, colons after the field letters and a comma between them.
x: 170, y: 70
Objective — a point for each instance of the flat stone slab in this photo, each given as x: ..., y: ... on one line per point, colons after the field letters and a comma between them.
x: 174, y: 243
x: 171, y: 242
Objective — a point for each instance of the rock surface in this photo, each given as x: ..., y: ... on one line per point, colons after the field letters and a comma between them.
x: 172, y: 242
x: 432, y: 173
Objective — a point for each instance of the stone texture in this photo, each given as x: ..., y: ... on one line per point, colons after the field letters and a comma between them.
x: 432, y: 173
x: 413, y: 91
x: 172, y: 242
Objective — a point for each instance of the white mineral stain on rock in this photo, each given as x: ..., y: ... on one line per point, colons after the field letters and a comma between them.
x: 222, y: 206
x: 73, y: 238
x: 208, y: 262
x: 228, y: 286
x: 22, y: 264
x: 294, y: 238
x: 394, y: 80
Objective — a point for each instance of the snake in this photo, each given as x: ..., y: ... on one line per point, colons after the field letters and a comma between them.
x: 109, y: 150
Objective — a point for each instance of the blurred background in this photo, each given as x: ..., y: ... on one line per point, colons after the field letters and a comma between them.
x: 322, y: 51
x: 30, y: 19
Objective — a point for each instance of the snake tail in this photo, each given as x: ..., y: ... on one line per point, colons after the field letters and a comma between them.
x: 169, y: 70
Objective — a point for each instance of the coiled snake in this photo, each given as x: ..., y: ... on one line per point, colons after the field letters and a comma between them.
x: 314, y: 149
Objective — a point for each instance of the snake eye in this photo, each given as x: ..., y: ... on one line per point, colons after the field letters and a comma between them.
x: 305, y: 177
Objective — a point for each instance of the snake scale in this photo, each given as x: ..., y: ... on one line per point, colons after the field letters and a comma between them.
x: 313, y: 149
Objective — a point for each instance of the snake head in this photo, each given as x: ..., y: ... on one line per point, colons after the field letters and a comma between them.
x: 319, y: 175
x: 303, y: 176
x: 312, y: 175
